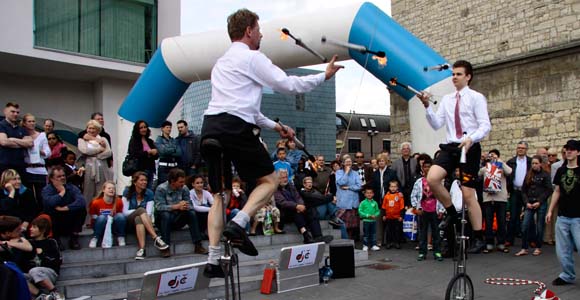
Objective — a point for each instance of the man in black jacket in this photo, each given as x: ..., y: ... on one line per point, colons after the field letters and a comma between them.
x: 520, y: 165
x: 189, y: 144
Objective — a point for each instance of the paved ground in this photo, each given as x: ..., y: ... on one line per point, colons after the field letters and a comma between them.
x: 410, y: 279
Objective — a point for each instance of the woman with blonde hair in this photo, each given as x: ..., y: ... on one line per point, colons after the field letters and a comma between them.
x: 95, y: 150
x: 15, y: 199
x: 138, y: 208
x: 36, y: 174
x: 105, y: 205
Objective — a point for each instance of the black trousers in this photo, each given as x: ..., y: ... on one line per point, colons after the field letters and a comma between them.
x: 65, y: 223
x: 308, y: 220
x: 393, y: 231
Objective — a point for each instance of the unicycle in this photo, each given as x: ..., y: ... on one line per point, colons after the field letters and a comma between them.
x: 460, y: 287
x: 220, y: 179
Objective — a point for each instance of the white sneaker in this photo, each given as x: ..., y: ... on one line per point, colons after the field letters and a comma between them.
x: 93, y: 242
x: 140, y: 254
x: 365, y: 248
x: 121, y: 241
x: 375, y: 248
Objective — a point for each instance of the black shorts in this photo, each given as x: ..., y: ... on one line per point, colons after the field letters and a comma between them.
x: 448, y: 159
x: 241, y: 143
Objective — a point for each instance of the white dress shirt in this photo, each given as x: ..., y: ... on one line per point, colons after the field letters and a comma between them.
x: 472, y: 114
x: 237, y: 80
x: 521, y: 171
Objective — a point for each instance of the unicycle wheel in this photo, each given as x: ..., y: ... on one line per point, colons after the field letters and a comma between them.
x: 459, y: 288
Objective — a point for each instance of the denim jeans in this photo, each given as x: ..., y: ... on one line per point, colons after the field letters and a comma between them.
x: 514, y: 226
x: 328, y: 211
x: 370, y: 233
x: 567, y: 238
x: 531, y: 232
x: 429, y: 220
x: 489, y: 208
x: 119, y: 225
x: 168, y: 220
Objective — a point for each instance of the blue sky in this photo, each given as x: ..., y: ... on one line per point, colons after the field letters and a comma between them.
x: 356, y: 89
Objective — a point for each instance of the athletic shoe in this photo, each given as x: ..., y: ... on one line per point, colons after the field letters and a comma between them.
x: 160, y: 244
x: 213, y: 271
x: 365, y: 248
x: 140, y: 254
x: 56, y: 295
x: 375, y: 248
x: 239, y: 239
x: 335, y: 222
x: 560, y: 281
x: 93, y: 242
x: 438, y: 256
x: 421, y: 257
x: 477, y: 247
x: 121, y: 241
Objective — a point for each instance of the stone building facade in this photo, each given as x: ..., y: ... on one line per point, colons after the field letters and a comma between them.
x: 526, y: 55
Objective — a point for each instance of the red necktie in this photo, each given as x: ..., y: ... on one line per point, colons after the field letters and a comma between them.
x: 458, y: 129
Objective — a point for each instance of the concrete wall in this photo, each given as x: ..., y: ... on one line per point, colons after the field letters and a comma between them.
x: 526, y: 60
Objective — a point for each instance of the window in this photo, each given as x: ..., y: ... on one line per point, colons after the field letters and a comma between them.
x: 300, y: 102
x: 124, y: 30
x: 387, y: 145
x: 354, y: 145
x: 301, y: 134
x: 363, y: 122
x: 373, y: 124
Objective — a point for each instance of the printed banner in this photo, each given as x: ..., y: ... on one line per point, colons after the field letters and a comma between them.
x: 178, y: 281
x: 304, y: 255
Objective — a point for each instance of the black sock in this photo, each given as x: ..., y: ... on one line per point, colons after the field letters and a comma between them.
x: 451, y: 211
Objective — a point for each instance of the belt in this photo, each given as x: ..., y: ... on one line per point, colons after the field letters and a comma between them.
x: 165, y: 164
x: 517, y: 188
x: 35, y: 165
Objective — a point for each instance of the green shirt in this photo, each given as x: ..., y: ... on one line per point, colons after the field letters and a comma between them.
x: 368, y: 208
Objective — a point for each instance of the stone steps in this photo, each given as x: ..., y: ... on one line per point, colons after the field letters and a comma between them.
x: 108, y: 273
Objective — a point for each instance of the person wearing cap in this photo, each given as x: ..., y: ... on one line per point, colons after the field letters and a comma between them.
x: 565, y: 196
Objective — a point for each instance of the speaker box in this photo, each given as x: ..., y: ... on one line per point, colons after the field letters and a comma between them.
x: 342, y: 258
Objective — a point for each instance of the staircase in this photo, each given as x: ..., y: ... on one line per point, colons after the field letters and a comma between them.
x: 110, y: 273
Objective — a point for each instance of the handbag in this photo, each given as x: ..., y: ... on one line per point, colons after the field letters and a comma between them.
x: 410, y: 225
x: 130, y: 165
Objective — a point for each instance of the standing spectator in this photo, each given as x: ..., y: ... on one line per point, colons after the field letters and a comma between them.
x: 95, y: 151
x: 15, y: 199
x: 321, y: 182
x: 281, y: 143
x: 348, y: 185
x: 520, y: 165
x: 369, y: 212
x: 74, y: 175
x: 406, y: 167
x: 334, y: 166
x: 536, y: 190
x: 35, y: 177
x: 48, y: 126
x: 305, y: 169
x: 202, y: 201
x: 174, y: 210
x: 14, y: 141
x: 429, y: 211
x: 293, y: 155
x: 105, y: 205
x: 281, y: 163
x: 42, y: 277
x: 57, y: 150
x: 138, y: 208
x: 65, y: 205
x: 364, y: 172
x: 394, y: 209
x: 381, y: 179
x: 494, y: 202
x: 188, y: 142
x: 143, y: 148
x: 169, y: 152
x: 550, y: 236
x: 566, y: 195
x: 97, y: 116
x: 375, y: 164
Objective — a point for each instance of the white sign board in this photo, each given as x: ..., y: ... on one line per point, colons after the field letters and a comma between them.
x: 304, y: 255
x: 177, y: 281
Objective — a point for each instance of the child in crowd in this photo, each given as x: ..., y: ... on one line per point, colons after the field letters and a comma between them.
x: 105, y: 205
x: 260, y: 217
x: 13, y: 247
x: 74, y: 174
x: 42, y: 277
x: 368, y: 211
x: 429, y: 211
x: 281, y: 163
x: 394, y: 206
x: 237, y: 200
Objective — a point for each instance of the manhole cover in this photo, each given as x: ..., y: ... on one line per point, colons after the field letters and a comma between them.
x: 381, y: 267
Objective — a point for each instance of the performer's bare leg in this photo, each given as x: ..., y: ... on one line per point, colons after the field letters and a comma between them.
x: 474, y: 210
x: 435, y: 180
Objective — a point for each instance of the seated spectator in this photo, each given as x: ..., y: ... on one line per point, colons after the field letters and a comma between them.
x: 13, y: 247
x: 237, y: 200
x: 174, y: 209
x: 15, y: 199
x: 142, y: 147
x: 43, y: 275
x: 202, y: 201
x: 105, y: 205
x: 74, y: 175
x: 138, y: 208
x: 65, y: 205
x: 325, y: 205
x: 260, y: 217
x: 57, y: 150
x: 293, y: 209
x: 169, y: 152
x: 95, y: 152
